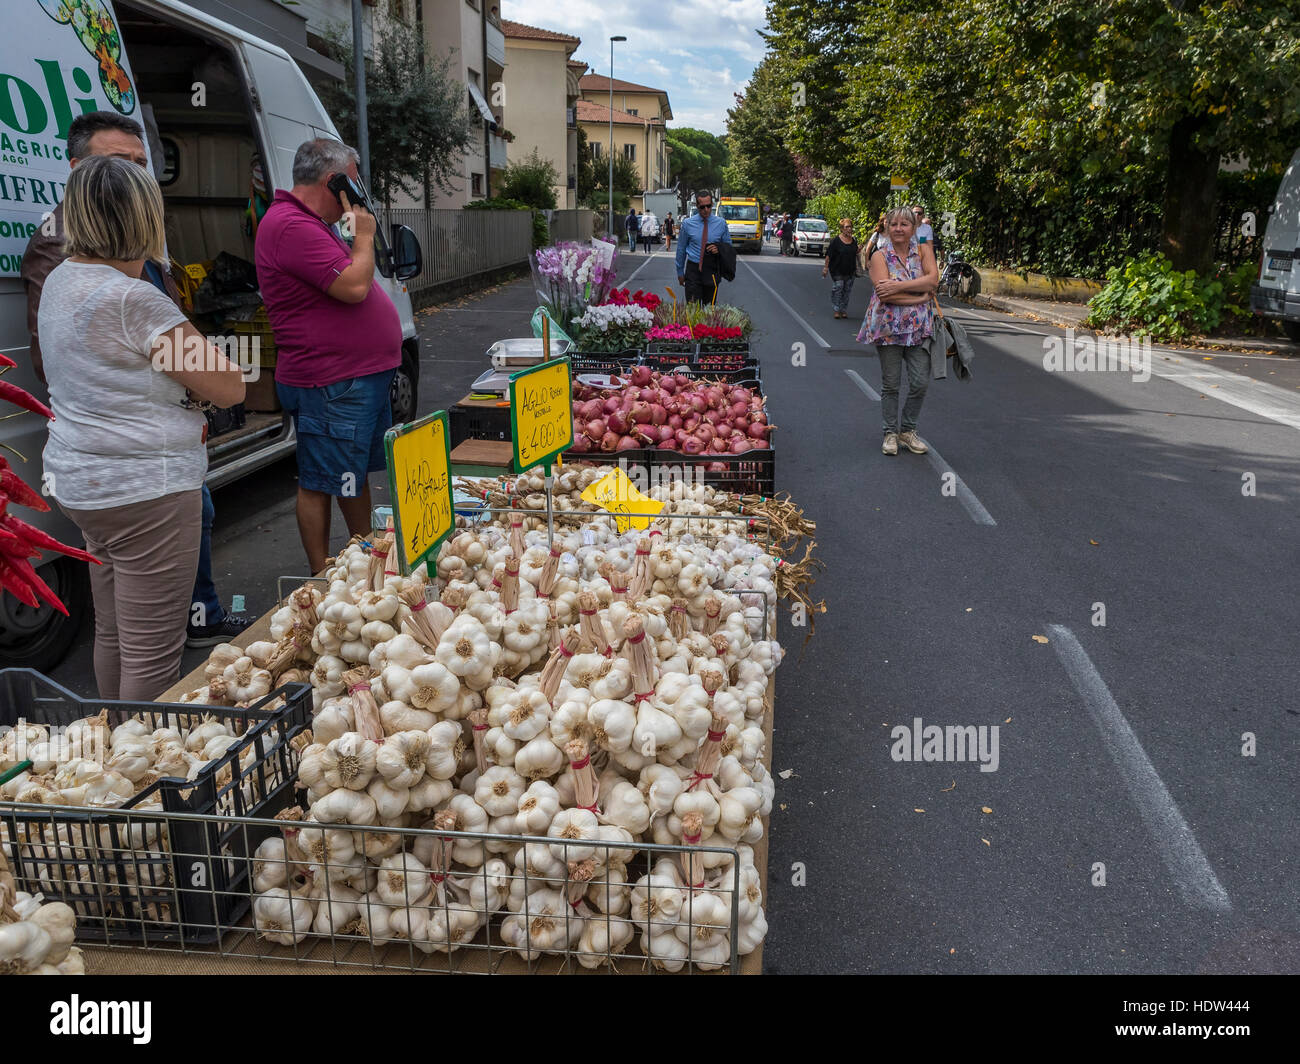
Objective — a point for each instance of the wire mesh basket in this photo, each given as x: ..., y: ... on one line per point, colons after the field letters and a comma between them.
x: 131, y: 876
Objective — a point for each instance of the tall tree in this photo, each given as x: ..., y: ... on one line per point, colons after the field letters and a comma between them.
x: 418, y: 120
x: 697, y: 158
x: 761, y: 161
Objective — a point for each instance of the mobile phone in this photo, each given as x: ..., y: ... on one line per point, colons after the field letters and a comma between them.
x: 342, y: 183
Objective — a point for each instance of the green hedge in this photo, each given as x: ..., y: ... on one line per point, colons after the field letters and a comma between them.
x: 541, y: 231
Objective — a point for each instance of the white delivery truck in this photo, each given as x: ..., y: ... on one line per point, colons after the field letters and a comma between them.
x: 1277, y: 293
x: 215, y: 102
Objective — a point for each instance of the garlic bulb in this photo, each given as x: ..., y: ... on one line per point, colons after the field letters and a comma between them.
x: 282, y: 918
x: 401, y: 761
x: 403, y: 881
x: 349, y: 762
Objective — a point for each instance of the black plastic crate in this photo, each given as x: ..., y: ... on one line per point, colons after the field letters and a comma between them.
x: 746, y: 371
x: 672, y: 352
x: 141, y: 878
x: 722, y: 356
x: 478, y: 423
x: 603, y: 361
x: 751, y: 473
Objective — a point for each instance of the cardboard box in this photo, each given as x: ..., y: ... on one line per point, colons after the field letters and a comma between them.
x: 260, y: 395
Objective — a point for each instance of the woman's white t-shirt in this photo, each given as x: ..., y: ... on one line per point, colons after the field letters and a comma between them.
x: 120, y: 433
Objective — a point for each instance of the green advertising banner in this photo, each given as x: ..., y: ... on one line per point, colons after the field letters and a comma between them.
x: 58, y: 59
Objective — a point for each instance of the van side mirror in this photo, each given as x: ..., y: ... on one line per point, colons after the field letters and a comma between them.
x: 408, y: 259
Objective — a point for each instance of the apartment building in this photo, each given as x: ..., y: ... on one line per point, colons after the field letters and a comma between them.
x: 640, y: 114
x: 542, y: 90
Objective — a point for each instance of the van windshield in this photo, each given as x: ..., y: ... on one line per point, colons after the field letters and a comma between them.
x: 811, y: 225
x: 739, y: 212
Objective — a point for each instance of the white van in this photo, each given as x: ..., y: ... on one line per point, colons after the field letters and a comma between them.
x: 148, y: 60
x: 1277, y: 295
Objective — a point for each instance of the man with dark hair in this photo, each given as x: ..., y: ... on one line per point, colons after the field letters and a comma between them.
x: 114, y: 135
x: 698, y: 260
x: 338, y: 340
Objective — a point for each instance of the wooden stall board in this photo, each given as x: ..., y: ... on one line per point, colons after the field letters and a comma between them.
x: 354, y: 958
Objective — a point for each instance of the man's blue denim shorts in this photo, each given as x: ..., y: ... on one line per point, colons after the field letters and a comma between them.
x: 340, y: 429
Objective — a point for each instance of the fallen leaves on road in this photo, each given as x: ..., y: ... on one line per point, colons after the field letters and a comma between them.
x: 947, y: 789
x: 985, y: 809
x: 1094, y: 543
x: 1039, y: 638
x: 986, y: 842
x: 918, y: 810
x: 951, y: 952
x: 1007, y: 721
x: 785, y: 774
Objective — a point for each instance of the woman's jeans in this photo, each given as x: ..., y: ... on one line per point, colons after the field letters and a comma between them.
x: 892, y: 357
x: 841, y: 288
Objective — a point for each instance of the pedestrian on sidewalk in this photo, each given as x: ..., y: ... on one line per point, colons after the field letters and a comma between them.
x: 924, y: 231
x: 668, y: 232
x: 698, y: 260
x: 338, y: 340
x: 787, y: 235
x: 126, y: 453
x: 898, y: 322
x: 633, y: 226
x: 109, y: 133
x: 842, y: 265
x: 649, y: 230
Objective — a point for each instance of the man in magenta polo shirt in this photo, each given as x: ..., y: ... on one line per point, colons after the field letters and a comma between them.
x: 338, y: 340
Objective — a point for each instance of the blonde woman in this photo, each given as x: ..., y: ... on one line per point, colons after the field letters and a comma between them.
x: 126, y: 447
x: 898, y: 322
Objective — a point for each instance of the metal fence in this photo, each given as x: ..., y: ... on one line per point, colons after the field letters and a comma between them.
x: 459, y: 244
x: 577, y: 224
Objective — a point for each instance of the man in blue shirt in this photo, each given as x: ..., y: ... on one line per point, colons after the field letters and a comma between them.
x: 697, y: 251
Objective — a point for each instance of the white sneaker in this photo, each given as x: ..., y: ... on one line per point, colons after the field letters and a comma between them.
x: 890, y: 446
x: 912, y: 442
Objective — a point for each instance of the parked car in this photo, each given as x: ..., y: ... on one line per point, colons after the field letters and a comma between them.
x: 1277, y: 293
x: 259, y: 107
x: 811, y: 235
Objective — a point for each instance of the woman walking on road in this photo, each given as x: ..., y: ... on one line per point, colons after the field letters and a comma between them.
x: 668, y: 232
x: 842, y: 265
x: 898, y: 321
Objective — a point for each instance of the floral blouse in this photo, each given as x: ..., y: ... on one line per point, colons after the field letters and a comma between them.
x: 889, y: 323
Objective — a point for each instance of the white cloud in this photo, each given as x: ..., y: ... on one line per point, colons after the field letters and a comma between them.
x: 699, y: 56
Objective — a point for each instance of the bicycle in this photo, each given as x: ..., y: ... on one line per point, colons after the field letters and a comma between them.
x: 955, y: 270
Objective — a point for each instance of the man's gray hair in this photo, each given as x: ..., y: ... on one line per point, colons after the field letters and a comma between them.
x: 316, y: 158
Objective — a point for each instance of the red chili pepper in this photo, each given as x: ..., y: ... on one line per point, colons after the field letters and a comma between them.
x: 16, y: 570
x: 39, y: 539
x: 25, y: 399
x: 14, y: 486
x: 8, y: 362
x: 15, y: 585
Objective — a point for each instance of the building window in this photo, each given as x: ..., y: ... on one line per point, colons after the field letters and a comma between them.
x: 476, y: 184
x: 631, y: 110
x: 629, y: 152
x: 595, y: 149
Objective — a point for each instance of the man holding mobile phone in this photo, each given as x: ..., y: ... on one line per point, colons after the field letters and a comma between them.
x: 338, y: 338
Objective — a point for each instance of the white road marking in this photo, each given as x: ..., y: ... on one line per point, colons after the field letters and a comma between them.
x: 871, y: 392
x: 973, y: 506
x: 1179, y: 850
x: 648, y: 259
x: 793, y: 313
x: 964, y: 495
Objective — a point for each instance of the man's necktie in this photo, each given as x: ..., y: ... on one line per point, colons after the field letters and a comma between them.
x: 704, y: 239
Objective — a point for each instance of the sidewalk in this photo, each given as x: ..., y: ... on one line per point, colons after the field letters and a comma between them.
x: 1071, y: 315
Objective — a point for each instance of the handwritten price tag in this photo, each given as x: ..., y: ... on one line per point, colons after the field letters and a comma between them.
x: 620, y: 497
x: 419, y: 481
x: 541, y: 413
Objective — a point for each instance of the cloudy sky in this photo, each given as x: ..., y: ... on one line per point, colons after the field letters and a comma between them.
x: 699, y: 53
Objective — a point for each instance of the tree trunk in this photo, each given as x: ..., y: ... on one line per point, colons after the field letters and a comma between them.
x: 1191, y: 199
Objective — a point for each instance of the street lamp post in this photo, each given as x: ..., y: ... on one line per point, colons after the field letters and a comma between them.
x: 611, y: 135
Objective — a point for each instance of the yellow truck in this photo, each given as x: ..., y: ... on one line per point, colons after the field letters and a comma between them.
x: 743, y: 223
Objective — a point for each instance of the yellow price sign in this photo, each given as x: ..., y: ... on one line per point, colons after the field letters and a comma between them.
x: 620, y: 497
x: 541, y: 413
x: 419, y: 483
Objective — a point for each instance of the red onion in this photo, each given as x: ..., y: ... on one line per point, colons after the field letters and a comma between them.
x: 739, y: 409
x: 691, y: 445
x: 724, y: 430
x: 595, y: 428
x: 609, y: 441
x: 718, y: 446
x: 666, y: 433
x: 691, y: 423
x: 682, y: 382
x: 739, y: 445
x: 668, y: 384
x: 641, y: 413
x: 675, y: 421
x: 705, y: 432
x: 699, y: 404
x: 648, y: 395
x: 759, y: 432
x: 740, y: 424
x: 715, y: 467
x: 619, y: 422
x: 627, y: 443
x: 641, y: 376
x: 580, y: 445
x: 658, y: 415
x: 610, y: 405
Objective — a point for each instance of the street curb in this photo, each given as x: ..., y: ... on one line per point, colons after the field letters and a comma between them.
x: 1279, y: 347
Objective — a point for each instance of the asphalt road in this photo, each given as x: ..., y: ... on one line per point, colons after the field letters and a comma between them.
x: 1118, y: 745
